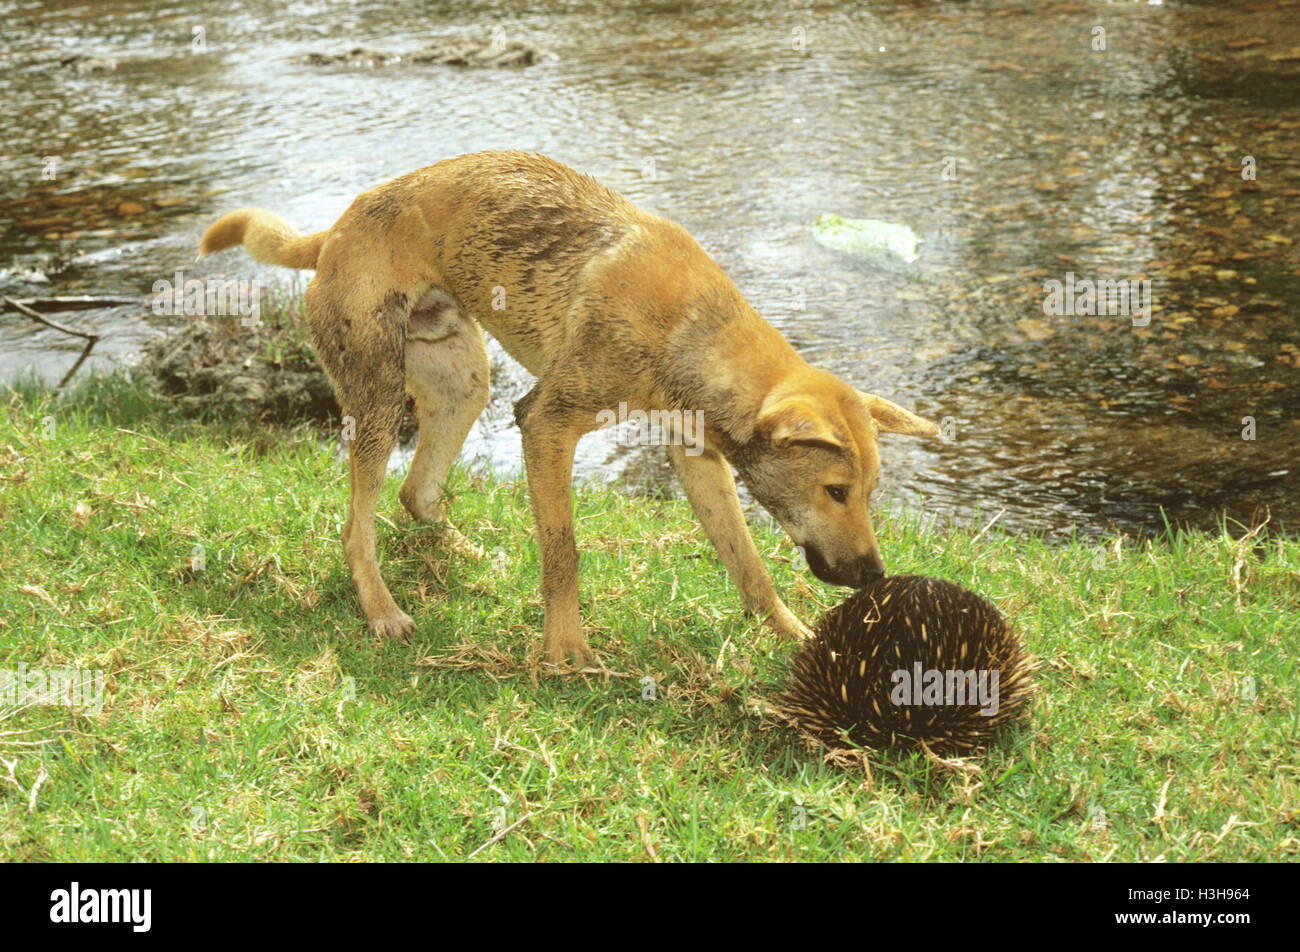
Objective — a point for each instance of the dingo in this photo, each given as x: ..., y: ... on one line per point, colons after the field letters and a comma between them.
x: 606, y: 305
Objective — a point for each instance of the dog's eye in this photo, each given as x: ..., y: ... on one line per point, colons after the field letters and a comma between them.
x: 838, y: 493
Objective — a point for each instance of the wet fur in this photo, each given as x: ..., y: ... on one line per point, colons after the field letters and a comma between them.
x: 602, y: 303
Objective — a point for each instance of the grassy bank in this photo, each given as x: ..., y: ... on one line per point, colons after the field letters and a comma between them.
x: 249, y: 716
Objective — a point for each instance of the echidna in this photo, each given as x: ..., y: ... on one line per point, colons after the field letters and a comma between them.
x: 908, y: 659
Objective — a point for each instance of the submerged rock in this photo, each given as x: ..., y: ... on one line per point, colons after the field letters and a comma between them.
x: 80, y: 63
x: 470, y: 52
x: 449, y: 51
x: 354, y: 57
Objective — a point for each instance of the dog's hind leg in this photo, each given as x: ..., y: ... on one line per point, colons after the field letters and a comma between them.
x: 447, y: 373
x: 550, y: 430
x: 363, y: 356
x: 708, y: 484
x: 367, y: 464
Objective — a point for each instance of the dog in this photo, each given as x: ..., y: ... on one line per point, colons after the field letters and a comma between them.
x: 604, y: 304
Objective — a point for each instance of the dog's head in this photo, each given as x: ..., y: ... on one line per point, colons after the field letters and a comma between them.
x: 813, y: 465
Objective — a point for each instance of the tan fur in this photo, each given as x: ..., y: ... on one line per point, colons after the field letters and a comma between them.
x: 267, y: 237
x: 603, y: 303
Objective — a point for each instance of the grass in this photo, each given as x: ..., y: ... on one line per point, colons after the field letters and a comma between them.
x: 248, y: 715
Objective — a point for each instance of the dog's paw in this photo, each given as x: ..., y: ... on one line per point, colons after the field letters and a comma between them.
x: 560, y: 651
x: 783, y: 622
x: 393, y: 624
x: 426, y: 511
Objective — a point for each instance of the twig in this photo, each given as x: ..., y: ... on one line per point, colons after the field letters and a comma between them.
x: 144, y: 436
x: 73, y: 302
x: 1227, y: 827
x: 1159, y: 818
x: 13, y: 711
x: 607, y: 672
x: 90, y: 338
x: 988, y: 525
x: 502, y: 742
x: 950, y: 763
x: 649, y: 846
x: 12, y: 778
x: 36, y: 316
x: 41, y: 776
x: 868, y: 784
x: 498, y: 837
x: 1239, y: 549
x: 75, y: 367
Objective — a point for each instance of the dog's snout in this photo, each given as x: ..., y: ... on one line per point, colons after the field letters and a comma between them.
x: 854, y: 574
x: 871, y: 567
x: 867, y: 569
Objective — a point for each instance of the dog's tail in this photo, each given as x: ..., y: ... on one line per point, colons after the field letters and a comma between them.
x: 267, y: 237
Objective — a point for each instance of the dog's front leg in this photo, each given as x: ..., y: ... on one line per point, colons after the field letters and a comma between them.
x: 548, y: 457
x: 706, y: 479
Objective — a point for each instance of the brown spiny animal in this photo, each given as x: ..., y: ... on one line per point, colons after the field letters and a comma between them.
x: 908, y: 660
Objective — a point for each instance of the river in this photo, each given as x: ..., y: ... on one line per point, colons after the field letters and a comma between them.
x: 1024, y: 143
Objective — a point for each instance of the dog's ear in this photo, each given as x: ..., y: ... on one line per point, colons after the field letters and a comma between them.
x: 792, y: 420
x: 892, y: 418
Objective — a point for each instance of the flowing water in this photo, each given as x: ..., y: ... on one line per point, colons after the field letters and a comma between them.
x: 1003, y: 134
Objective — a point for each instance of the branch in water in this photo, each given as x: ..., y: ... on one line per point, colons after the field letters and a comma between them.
x: 89, y: 338
x: 36, y: 316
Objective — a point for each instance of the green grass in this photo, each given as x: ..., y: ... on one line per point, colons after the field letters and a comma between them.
x: 250, y: 716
